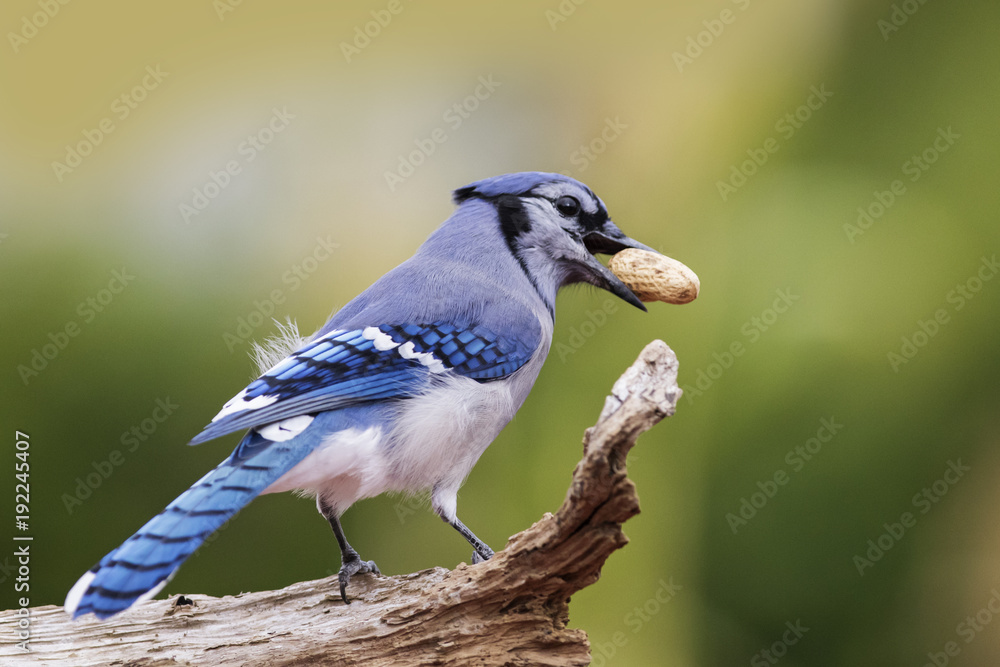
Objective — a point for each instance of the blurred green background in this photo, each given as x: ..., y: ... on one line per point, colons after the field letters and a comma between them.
x: 740, y: 137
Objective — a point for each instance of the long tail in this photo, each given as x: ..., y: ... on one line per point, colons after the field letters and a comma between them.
x: 145, y: 562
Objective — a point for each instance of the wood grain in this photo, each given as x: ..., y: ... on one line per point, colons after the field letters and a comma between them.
x: 510, y: 610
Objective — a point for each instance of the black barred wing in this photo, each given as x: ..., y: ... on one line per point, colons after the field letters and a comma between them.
x: 345, y: 368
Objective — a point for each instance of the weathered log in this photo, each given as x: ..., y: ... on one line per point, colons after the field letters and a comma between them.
x: 510, y: 610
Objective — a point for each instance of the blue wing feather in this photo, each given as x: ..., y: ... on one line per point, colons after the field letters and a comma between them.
x: 344, y: 368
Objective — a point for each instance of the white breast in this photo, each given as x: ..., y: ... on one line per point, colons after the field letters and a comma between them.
x: 433, y: 442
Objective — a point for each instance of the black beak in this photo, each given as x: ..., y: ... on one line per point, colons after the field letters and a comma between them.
x: 608, y: 241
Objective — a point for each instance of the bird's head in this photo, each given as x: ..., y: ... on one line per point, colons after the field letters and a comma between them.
x: 554, y: 226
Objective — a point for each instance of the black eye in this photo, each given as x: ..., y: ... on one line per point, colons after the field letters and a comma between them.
x: 568, y: 206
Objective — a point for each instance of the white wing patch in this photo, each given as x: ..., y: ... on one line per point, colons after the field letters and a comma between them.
x: 239, y: 402
x: 382, y: 340
x: 433, y: 364
x: 286, y: 429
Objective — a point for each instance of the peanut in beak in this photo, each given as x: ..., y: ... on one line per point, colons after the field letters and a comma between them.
x: 655, y: 277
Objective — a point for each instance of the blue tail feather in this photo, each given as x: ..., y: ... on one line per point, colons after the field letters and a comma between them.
x: 145, y: 562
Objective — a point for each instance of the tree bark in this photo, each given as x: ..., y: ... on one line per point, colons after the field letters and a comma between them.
x: 510, y: 610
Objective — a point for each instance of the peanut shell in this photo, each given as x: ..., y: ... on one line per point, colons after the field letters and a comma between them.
x: 655, y: 277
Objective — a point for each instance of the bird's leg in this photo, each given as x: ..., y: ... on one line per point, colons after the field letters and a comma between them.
x: 444, y: 500
x: 482, y: 551
x: 350, y: 561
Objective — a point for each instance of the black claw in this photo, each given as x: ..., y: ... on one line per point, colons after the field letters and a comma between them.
x: 343, y: 587
x: 482, y: 556
x: 350, y: 568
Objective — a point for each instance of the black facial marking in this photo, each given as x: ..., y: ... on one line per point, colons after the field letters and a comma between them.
x: 462, y: 194
x: 514, y: 221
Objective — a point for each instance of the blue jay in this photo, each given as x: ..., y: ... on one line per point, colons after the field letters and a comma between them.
x: 402, y: 390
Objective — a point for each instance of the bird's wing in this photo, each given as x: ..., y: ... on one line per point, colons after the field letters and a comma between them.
x: 343, y: 368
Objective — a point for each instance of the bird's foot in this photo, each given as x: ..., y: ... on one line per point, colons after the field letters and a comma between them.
x: 353, y: 566
x: 481, y: 557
